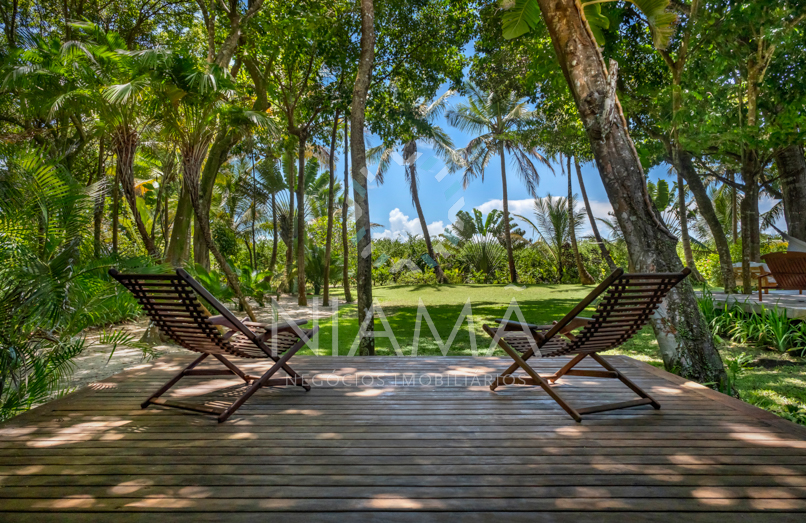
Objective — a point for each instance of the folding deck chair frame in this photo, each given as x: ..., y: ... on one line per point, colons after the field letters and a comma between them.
x: 172, y: 303
x: 628, y: 303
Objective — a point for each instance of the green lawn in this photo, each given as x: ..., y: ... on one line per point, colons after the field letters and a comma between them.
x: 773, y: 388
x: 444, y: 304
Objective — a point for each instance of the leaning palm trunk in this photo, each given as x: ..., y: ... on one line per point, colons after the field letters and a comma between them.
x: 124, y: 144
x: 192, y: 158
x: 410, y: 162
x: 584, y: 276
x: 513, y: 275
x: 330, y: 208
x: 595, y: 228
x: 684, y: 339
x: 683, y: 165
x: 301, y: 298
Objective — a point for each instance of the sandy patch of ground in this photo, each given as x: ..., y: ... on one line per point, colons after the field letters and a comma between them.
x: 95, y: 364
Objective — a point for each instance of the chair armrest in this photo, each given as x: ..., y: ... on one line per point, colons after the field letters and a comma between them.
x: 516, y: 325
x: 576, y: 323
x: 268, y: 328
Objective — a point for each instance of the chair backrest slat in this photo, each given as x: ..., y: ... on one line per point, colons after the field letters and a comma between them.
x: 172, y: 304
x: 624, y: 309
x: 626, y: 305
x: 788, y: 269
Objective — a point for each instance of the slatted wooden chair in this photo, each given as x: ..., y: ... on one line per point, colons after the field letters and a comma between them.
x: 628, y: 301
x: 788, y: 269
x: 172, y: 303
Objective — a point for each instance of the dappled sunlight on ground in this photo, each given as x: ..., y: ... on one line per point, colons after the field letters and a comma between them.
x: 355, y: 444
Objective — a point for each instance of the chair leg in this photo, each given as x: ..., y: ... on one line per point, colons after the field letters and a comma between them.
x: 521, y: 362
x: 567, y: 367
x: 231, y: 366
x: 172, y: 381
x: 257, y: 384
x: 635, y: 388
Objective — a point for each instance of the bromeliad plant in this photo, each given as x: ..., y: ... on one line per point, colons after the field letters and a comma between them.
x: 767, y: 328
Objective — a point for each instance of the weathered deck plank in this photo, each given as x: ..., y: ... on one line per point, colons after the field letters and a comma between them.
x: 405, y: 449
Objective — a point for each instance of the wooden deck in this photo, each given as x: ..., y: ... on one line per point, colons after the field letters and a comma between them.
x: 407, y: 449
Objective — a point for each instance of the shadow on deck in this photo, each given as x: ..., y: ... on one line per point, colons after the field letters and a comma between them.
x: 400, y: 439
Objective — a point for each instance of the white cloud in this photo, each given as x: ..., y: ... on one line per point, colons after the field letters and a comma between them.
x: 400, y: 224
x: 526, y: 208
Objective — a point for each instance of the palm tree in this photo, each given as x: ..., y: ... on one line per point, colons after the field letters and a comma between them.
x: 422, y: 129
x: 192, y: 121
x: 117, y: 88
x: 497, y: 120
x: 554, y: 225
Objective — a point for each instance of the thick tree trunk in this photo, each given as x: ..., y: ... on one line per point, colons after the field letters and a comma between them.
x: 330, y: 208
x: 751, y: 246
x: 605, y: 253
x: 584, y: 276
x: 302, y: 300
x: 273, y: 260
x: 685, y: 342
x: 179, y: 246
x: 410, y: 162
x: 792, y: 171
x: 734, y: 206
x: 684, y: 235
x: 224, y: 141
x: 98, y: 214
x: 685, y: 168
x: 345, y: 210
x: 513, y: 275
x: 360, y: 193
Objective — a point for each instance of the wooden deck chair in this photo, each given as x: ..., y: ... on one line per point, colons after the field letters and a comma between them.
x: 788, y: 269
x: 627, y: 303
x: 172, y: 303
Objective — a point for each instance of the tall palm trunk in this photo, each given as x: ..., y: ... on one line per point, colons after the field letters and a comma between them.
x: 273, y: 260
x: 410, y: 162
x: 684, y: 338
x: 584, y: 276
x: 345, y: 209
x: 360, y: 193
x: 98, y: 214
x: 192, y: 158
x: 330, y: 208
x: 124, y: 144
x: 288, y: 159
x: 115, y: 214
x: 595, y: 228
x: 513, y: 276
x: 302, y: 300
x: 684, y: 235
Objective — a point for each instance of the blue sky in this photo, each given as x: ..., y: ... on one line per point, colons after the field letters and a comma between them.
x: 441, y: 194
